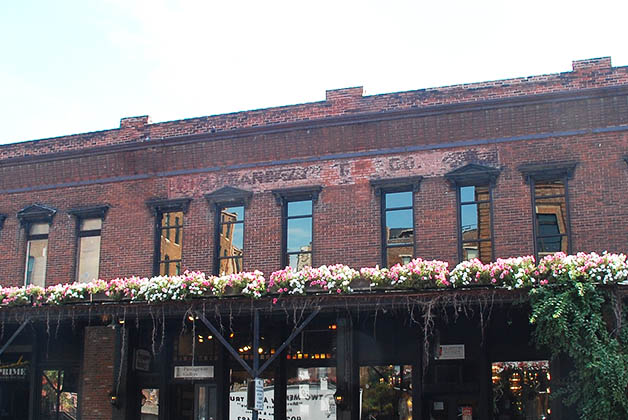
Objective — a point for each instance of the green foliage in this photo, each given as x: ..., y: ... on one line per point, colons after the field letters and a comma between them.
x: 569, y: 321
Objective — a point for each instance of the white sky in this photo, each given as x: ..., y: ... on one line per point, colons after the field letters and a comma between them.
x: 71, y: 66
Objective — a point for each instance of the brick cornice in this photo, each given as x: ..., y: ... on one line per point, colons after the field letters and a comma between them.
x: 358, y: 118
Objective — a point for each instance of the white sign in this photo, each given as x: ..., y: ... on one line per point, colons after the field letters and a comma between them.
x: 142, y: 360
x: 259, y: 394
x: 450, y: 352
x: 193, y: 372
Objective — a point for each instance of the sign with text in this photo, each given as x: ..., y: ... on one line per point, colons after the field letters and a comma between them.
x: 450, y: 352
x: 17, y: 371
x: 193, y: 372
x: 142, y: 360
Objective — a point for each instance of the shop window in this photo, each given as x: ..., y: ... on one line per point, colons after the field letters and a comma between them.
x: 550, y: 204
x: 397, y: 218
x: 521, y: 390
x: 386, y: 392
x: 310, y: 393
x: 169, y: 235
x: 59, y: 394
x: 238, y: 395
x: 297, y: 214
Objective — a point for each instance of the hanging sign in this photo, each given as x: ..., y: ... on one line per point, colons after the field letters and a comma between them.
x: 450, y: 352
x: 17, y: 371
x: 142, y: 360
x: 193, y: 372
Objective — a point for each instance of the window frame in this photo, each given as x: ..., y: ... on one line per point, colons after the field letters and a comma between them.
x: 28, y: 216
x: 159, y: 207
x: 81, y: 214
x: 288, y: 195
x: 473, y: 175
x: 556, y: 171
x: 381, y: 187
x: 218, y: 200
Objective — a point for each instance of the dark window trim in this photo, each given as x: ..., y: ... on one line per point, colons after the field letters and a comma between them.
x: 229, y: 196
x: 477, y: 175
x: 159, y: 207
x: 94, y: 212
x: 84, y: 213
x: 3, y: 217
x: 548, y: 171
x: 283, y: 197
x: 392, y: 185
x: 412, y: 183
x: 558, y: 171
x: 35, y: 213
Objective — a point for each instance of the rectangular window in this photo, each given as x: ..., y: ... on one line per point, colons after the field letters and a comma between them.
x: 170, y: 233
x: 474, y: 222
x: 88, y: 249
x: 398, y: 227
x: 386, y: 392
x: 298, y: 233
x: 551, y: 217
x: 36, y: 254
x: 230, y: 239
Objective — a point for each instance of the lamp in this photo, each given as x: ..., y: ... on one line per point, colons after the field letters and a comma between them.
x: 114, y: 399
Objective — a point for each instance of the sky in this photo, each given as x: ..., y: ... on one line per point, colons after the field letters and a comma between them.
x: 73, y: 66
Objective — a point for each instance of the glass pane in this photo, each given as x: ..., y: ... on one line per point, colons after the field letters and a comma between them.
x: 521, y: 390
x: 172, y: 218
x: 299, y: 234
x: 230, y: 265
x: 469, y: 221
x: 310, y: 393
x: 386, y: 392
x: 552, y: 244
x: 150, y: 404
x: 551, y: 216
x: 299, y: 208
x: 480, y: 250
x: 234, y: 239
x: 237, y: 396
x: 399, y: 227
x: 400, y: 199
x: 59, y: 398
x: 170, y: 247
x: 172, y: 268
x: 546, y: 188
x: 89, y: 258
x: 36, y: 262
x: 399, y: 255
x: 202, y: 405
x: 39, y: 229
x: 232, y: 214
x: 91, y: 224
x: 467, y: 194
x: 300, y: 260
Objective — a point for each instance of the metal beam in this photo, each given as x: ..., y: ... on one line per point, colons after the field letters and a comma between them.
x: 225, y: 343
x: 15, y: 334
x: 289, y: 339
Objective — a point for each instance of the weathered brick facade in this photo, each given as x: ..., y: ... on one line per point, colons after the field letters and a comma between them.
x: 340, y: 144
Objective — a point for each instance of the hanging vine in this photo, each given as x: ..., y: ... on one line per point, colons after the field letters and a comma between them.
x: 569, y: 321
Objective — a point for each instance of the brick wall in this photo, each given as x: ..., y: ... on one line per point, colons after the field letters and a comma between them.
x: 98, y: 362
x: 585, y: 126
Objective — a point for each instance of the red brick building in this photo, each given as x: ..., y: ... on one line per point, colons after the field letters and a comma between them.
x: 514, y: 167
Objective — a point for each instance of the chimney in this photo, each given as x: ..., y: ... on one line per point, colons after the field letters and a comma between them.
x: 592, y: 64
x: 135, y: 122
x: 344, y: 94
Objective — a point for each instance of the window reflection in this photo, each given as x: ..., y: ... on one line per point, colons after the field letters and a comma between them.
x: 231, y: 240
x: 521, y: 390
x: 475, y: 223
x: 170, y: 244
x: 399, y: 227
x: 386, y: 392
x: 59, y: 394
x: 89, y: 249
x: 310, y: 393
x: 36, y: 254
x: 551, y: 217
x: 298, y: 233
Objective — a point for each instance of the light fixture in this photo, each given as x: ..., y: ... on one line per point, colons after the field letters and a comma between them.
x: 113, y: 399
